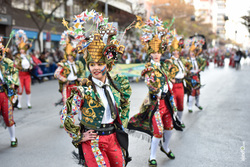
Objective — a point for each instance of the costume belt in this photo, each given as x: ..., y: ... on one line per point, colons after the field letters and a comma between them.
x: 25, y: 70
x: 178, y: 80
x: 105, y: 129
x: 72, y: 82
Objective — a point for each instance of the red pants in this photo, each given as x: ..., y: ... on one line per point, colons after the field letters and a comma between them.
x: 67, y: 91
x: 178, y: 91
x: 161, y: 120
x: 196, y: 92
x: 6, y: 109
x: 25, y: 81
x: 104, y: 151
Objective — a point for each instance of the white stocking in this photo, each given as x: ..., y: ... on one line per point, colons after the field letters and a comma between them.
x: 19, y: 105
x: 28, y: 100
x: 154, y: 144
x: 190, y: 102
x: 167, y: 135
x: 12, y: 133
x: 180, y: 113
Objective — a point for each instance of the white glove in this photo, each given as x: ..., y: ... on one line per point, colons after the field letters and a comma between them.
x: 165, y: 88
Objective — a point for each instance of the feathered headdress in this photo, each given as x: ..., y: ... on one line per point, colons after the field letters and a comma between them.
x: 22, y: 40
x: 93, y: 47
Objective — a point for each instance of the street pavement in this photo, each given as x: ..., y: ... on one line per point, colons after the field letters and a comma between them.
x: 217, y: 136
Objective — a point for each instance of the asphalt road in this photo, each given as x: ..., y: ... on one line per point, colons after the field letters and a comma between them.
x: 217, y: 136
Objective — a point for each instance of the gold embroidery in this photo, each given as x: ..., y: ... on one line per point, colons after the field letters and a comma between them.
x: 89, y: 113
x: 158, y: 74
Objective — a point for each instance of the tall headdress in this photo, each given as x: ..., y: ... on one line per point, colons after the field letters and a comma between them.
x: 155, y: 34
x: 22, y: 40
x: 67, y: 43
x: 93, y: 47
x: 195, y: 45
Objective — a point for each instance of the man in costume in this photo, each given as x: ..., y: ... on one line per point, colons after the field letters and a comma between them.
x: 156, y: 115
x: 177, y: 73
x: 24, y: 63
x: 195, y: 65
x: 8, y: 85
x: 101, y: 102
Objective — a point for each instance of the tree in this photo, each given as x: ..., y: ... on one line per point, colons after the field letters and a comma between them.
x: 184, y: 23
x: 246, y: 21
x: 35, y: 11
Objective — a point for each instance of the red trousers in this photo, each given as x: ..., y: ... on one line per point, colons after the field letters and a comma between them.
x: 178, y: 91
x: 196, y: 92
x: 25, y: 81
x: 104, y: 151
x: 6, y: 109
x: 67, y: 91
x: 161, y: 120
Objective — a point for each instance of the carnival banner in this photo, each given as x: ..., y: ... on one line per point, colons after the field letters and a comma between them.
x: 129, y: 70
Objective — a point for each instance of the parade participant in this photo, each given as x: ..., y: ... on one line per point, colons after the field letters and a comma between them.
x: 23, y: 62
x: 156, y: 112
x: 175, y: 63
x: 8, y: 85
x: 101, y: 102
x: 197, y: 64
x: 69, y: 71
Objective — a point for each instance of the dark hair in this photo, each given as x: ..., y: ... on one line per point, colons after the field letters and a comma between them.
x: 93, y: 85
x: 112, y: 83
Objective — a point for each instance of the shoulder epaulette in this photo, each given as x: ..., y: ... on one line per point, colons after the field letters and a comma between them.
x: 146, y: 70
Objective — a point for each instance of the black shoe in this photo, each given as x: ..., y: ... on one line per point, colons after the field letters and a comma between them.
x: 152, y: 163
x: 13, y: 143
x: 199, y: 107
x: 169, y: 154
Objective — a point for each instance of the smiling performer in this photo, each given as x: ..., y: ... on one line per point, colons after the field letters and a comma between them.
x: 101, y: 102
x: 156, y: 113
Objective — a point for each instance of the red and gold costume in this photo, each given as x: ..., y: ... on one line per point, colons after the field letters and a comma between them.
x: 8, y: 85
x: 24, y: 63
x: 157, y: 113
x: 195, y: 65
x: 101, y: 106
x: 177, y: 72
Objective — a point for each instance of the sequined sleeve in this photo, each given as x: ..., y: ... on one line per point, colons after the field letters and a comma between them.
x: 153, y: 83
x: 58, y: 75
x: 81, y: 73
x: 71, y: 109
x: 201, y: 63
x: 123, y: 85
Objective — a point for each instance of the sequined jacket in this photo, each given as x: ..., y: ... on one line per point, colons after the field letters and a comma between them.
x: 9, y: 72
x: 84, y: 100
x: 200, y: 61
x: 63, y: 70
x: 18, y: 61
x: 173, y: 68
x: 155, y: 78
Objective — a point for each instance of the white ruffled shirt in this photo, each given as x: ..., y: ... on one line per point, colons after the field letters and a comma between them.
x: 25, y: 62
